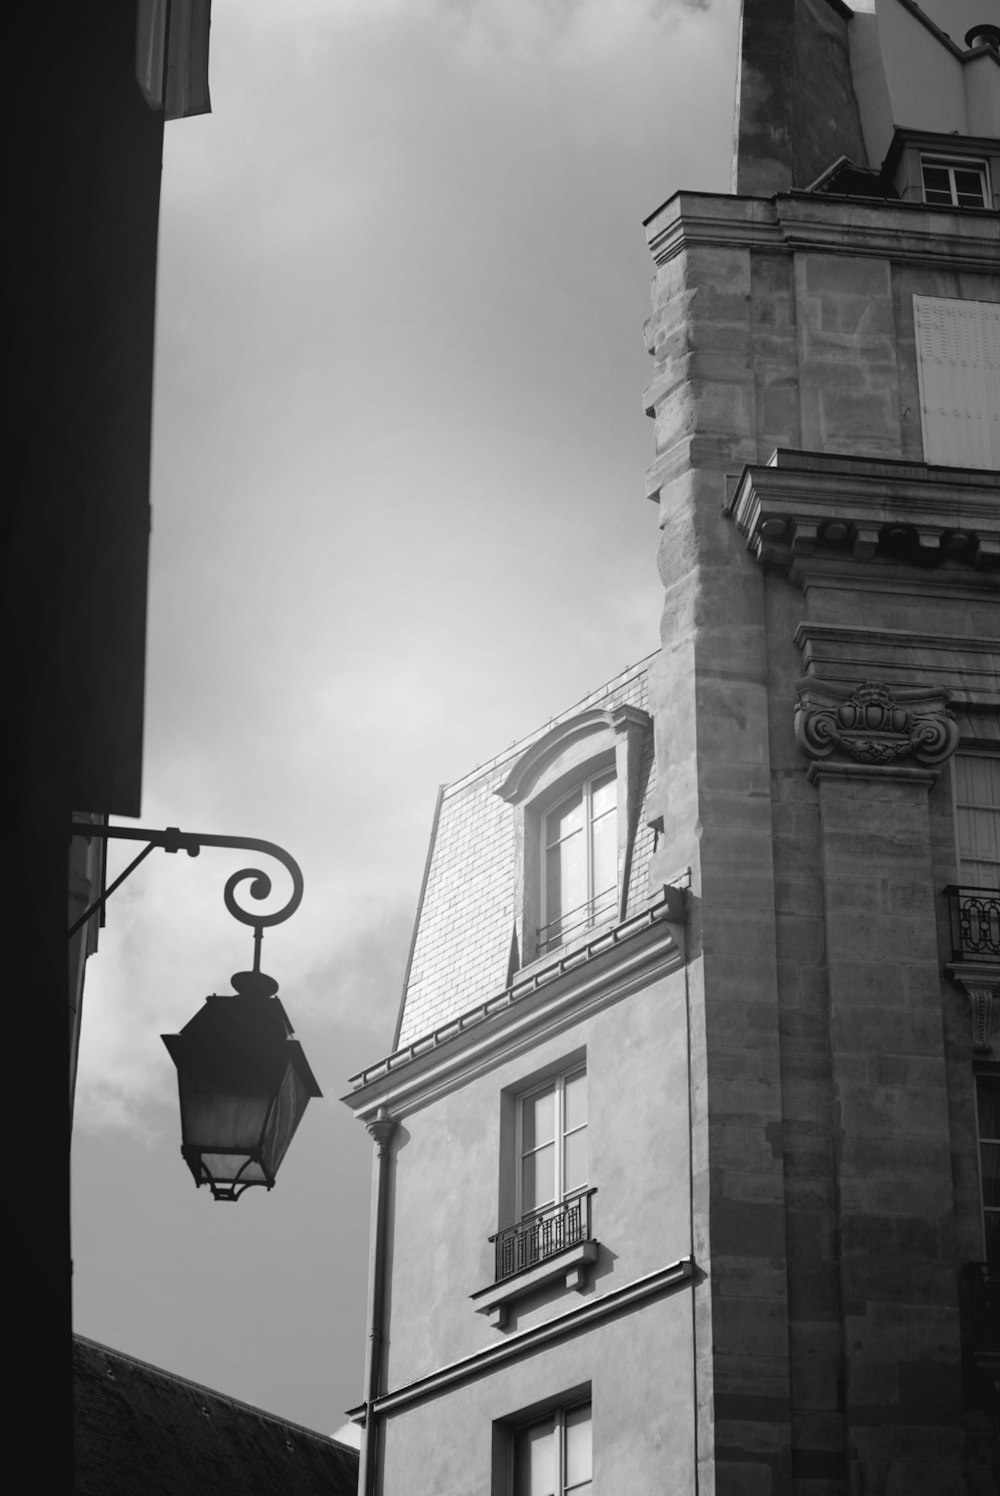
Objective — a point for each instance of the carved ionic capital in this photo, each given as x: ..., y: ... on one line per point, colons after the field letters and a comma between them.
x: 871, y: 725
x: 981, y: 985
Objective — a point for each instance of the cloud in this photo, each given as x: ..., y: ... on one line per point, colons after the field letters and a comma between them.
x: 569, y: 33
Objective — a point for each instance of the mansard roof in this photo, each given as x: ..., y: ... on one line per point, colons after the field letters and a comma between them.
x: 461, y: 950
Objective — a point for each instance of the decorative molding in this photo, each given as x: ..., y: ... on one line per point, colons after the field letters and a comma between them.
x: 524, y: 1342
x: 981, y: 985
x: 572, y: 1266
x: 836, y: 769
x: 872, y: 725
x: 552, y: 998
x: 622, y: 721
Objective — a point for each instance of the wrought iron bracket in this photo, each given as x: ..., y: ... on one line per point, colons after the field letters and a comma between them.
x: 172, y: 839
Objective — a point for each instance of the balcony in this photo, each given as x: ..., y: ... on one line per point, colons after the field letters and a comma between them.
x: 552, y: 1245
x: 975, y: 924
x: 541, y: 1236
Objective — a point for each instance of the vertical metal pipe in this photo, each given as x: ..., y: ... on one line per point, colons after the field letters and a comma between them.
x: 381, y: 1128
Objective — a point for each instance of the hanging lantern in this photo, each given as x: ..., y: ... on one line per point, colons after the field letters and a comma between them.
x: 244, y: 1084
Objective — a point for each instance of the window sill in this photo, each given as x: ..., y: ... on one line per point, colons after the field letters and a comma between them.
x: 572, y: 1266
x: 571, y: 947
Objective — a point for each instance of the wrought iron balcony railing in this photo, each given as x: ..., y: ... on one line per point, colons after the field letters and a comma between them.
x: 975, y: 923
x: 543, y: 1235
x: 566, y: 926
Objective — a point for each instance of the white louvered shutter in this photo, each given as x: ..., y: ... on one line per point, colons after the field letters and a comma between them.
x: 958, y: 367
x: 977, y: 814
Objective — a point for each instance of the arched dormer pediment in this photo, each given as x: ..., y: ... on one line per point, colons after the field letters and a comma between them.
x: 576, y: 741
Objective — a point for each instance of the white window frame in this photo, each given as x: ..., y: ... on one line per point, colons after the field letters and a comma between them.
x: 951, y: 164
x: 600, y: 903
x: 556, y: 1420
x: 557, y: 1083
x: 579, y: 748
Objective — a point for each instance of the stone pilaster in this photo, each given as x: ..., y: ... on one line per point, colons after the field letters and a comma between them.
x: 899, y: 1282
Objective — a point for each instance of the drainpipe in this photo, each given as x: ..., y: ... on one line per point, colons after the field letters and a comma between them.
x: 381, y: 1127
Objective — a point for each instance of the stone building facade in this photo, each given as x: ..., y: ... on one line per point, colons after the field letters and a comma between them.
x: 686, y: 1150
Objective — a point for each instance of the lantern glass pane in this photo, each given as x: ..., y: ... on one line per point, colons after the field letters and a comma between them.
x: 226, y: 1167
x: 223, y: 1120
x: 286, y: 1114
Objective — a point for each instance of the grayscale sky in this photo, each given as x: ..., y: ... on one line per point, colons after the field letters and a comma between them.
x: 399, y: 521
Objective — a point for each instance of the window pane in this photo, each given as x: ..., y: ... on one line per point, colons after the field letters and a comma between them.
x: 988, y: 1093
x: 538, y: 1179
x: 565, y: 819
x: 534, y: 1461
x: 991, y: 1175
x: 604, y: 795
x: 969, y: 186
x: 538, y: 1118
x: 578, y: 1457
x: 993, y: 1239
x: 565, y: 877
x: 605, y: 860
x: 937, y: 183
x: 575, y: 1100
x: 575, y: 1167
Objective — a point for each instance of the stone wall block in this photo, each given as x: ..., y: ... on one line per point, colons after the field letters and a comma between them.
x: 815, y: 1353
x: 755, y: 1230
x: 753, y: 1327
x: 797, y: 896
x: 912, y: 1110
x: 875, y: 1024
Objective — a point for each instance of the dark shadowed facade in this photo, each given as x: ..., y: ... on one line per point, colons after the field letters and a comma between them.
x: 686, y: 1171
x: 86, y: 130
x: 141, y: 1429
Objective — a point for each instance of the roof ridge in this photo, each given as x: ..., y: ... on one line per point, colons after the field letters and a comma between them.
x: 919, y: 14
x: 520, y: 744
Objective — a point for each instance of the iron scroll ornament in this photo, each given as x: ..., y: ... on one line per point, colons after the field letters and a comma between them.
x: 172, y: 839
x: 874, y: 725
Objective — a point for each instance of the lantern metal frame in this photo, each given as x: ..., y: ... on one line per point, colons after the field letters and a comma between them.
x: 253, y: 986
x: 172, y: 839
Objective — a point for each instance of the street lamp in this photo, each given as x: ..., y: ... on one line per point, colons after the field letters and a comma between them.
x: 244, y: 1084
x: 243, y: 1080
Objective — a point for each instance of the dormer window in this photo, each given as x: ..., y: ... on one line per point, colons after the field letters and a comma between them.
x: 576, y: 793
x: 943, y: 171
x: 955, y: 183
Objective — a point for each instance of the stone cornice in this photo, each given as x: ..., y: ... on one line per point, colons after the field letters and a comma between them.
x: 524, y: 1342
x: 968, y: 668
x: 836, y: 571
x: 893, y: 230
x: 538, y: 1005
x: 805, y: 503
